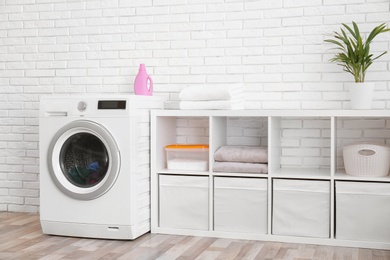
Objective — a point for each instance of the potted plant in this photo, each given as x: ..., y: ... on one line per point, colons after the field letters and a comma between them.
x: 355, y: 58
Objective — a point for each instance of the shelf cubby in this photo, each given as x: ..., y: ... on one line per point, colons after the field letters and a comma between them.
x: 300, y: 147
x: 182, y: 130
x: 237, y: 131
x: 354, y: 130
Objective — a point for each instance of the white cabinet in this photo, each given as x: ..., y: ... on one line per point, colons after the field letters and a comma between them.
x: 240, y: 205
x: 363, y: 211
x: 184, y: 202
x: 301, y: 208
x: 302, y: 198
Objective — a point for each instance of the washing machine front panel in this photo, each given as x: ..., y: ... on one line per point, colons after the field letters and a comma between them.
x: 84, y: 160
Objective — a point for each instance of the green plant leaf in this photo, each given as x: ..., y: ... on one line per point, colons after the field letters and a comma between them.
x: 350, y: 30
x: 335, y: 42
x: 353, y: 52
x: 357, y: 32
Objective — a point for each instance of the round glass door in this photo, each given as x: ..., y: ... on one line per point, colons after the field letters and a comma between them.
x: 83, y: 160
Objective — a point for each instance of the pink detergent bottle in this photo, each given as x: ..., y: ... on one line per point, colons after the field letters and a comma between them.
x: 141, y: 86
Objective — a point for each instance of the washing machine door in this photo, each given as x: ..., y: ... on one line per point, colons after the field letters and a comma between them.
x: 83, y: 160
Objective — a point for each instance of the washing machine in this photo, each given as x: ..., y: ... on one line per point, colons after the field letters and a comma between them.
x: 94, y: 165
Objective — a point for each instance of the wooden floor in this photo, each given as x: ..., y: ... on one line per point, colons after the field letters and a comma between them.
x: 21, y: 238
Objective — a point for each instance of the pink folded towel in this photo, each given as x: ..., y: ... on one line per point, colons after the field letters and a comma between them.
x: 240, y: 167
x: 244, y: 154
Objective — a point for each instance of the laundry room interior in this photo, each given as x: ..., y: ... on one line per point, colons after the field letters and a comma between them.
x: 195, y: 129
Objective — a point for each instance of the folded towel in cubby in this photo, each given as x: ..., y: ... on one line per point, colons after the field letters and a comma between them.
x: 245, y: 154
x: 240, y: 167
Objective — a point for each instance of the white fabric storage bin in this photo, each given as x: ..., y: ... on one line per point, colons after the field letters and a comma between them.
x: 363, y: 211
x: 301, y: 208
x: 183, y: 202
x: 240, y: 205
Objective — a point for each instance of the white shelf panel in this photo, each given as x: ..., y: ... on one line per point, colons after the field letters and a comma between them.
x: 233, y: 174
x: 275, y: 113
x: 182, y: 172
x: 301, y: 173
x: 341, y: 175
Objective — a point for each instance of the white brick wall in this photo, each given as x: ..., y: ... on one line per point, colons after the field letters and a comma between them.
x: 305, y: 142
x: 274, y: 48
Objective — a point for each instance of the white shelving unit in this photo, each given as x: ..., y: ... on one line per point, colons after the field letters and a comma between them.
x: 304, y: 150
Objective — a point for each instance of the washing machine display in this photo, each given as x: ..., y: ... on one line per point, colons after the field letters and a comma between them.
x: 84, y: 160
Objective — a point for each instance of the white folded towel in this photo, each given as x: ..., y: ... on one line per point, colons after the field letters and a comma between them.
x: 213, y: 104
x: 212, y: 92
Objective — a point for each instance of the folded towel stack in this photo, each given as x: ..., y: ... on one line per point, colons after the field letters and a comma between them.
x: 241, y: 159
x: 212, y: 97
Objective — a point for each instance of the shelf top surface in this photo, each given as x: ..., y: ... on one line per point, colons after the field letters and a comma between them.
x: 276, y: 113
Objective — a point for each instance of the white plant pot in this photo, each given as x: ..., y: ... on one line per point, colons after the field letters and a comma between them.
x: 361, y: 94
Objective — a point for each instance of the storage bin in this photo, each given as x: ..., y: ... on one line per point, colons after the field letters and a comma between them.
x: 240, y: 205
x: 184, y: 202
x: 188, y: 157
x: 301, y: 208
x: 366, y: 160
x: 363, y: 211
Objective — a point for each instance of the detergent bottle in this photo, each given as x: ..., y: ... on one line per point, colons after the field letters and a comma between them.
x: 143, y: 83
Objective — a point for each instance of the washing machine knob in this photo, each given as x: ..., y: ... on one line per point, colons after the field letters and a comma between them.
x: 82, y: 106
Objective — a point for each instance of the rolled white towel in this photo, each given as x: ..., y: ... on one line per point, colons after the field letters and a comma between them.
x: 212, y: 92
x: 213, y: 104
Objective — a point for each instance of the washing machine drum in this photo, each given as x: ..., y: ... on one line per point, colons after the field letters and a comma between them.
x: 83, y: 160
